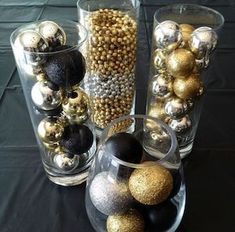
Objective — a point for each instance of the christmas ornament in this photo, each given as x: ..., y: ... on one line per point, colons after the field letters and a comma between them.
x: 181, y: 126
x: 203, y: 41
x: 76, y: 106
x: 44, y: 97
x: 151, y: 185
x: 132, y: 221
x: 159, y: 60
x: 176, y: 107
x: 65, y: 69
x: 186, y: 31
x: 125, y: 147
x: 162, y: 86
x: 159, y: 217
x: 189, y: 87
x: 167, y: 35
x: 31, y: 41
x: 177, y: 180
x: 52, y: 33
x: 108, y: 195
x: 50, y: 130
x: 66, y: 162
x: 157, y: 111
x: 180, y: 63
x: 76, y: 139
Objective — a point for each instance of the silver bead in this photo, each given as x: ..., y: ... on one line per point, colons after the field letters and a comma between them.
x: 32, y: 42
x: 66, y: 163
x: 44, y: 97
x: 181, y: 126
x: 203, y: 41
x: 162, y: 86
x: 176, y: 108
x: 167, y: 35
x: 109, y: 196
x: 53, y: 33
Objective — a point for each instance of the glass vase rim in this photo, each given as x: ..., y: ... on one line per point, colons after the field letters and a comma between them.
x: 174, y: 5
x: 79, y: 6
x: 172, y: 150
x: 72, y: 48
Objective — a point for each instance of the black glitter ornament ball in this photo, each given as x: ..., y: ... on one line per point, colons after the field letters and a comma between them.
x: 160, y: 217
x: 76, y: 139
x: 65, y: 69
x: 125, y: 147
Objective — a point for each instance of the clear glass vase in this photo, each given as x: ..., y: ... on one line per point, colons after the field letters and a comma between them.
x: 51, y: 68
x: 111, y: 56
x: 184, y: 38
x: 136, y: 181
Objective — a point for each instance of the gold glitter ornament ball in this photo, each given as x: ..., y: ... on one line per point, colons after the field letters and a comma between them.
x: 189, y: 87
x: 180, y: 63
x: 151, y: 185
x: 132, y: 221
x: 157, y: 111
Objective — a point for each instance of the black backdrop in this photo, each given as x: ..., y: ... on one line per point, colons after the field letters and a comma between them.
x: 30, y: 202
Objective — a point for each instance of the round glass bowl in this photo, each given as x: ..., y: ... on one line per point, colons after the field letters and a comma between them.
x: 136, y: 181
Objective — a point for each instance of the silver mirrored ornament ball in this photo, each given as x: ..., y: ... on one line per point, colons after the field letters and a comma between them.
x: 203, y: 41
x: 167, y: 35
x: 31, y: 42
x: 108, y: 195
x: 53, y: 33
x: 44, y: 97
x: 162, y: 86
x: 181, y: 126
x: 176, y: 108
x: 65, y: 162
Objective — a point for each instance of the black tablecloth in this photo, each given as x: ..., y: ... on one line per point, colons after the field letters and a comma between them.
x: 29, y: 202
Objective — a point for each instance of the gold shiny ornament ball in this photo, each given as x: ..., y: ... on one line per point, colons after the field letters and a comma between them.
x: 190, y: 87
x: 157, y: 111
x: 180, y: 63
x: 151, y: 185
x: 132, y: 221
x: 50, y: 130
x: 76, y: 105
x: 186, y: 30
x: 159, y: 60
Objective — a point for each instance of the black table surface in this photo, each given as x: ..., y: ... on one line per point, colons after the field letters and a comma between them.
x: 29, y: 202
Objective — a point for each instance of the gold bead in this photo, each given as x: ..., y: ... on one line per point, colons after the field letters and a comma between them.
x: 151, y: 185
x: 189, y: 87
x: 132, y: 221
x: 180, y: 63
x: 50, y: 130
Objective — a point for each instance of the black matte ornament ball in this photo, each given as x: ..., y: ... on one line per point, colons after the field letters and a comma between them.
x: 76, y: 139
x: 160, y: 217
x: 125, y: 147
x: 65, y: 69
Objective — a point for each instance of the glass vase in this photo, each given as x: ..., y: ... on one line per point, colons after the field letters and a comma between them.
x: 51, y: 68
x: 111, y: 56
x: 184, y: 38
x: 136, y: 180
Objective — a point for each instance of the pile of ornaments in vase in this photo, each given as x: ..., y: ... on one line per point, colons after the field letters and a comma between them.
x: 180, y: 54
x: 130, y: 199
x: 111, y: 56
x: 54, y: 71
